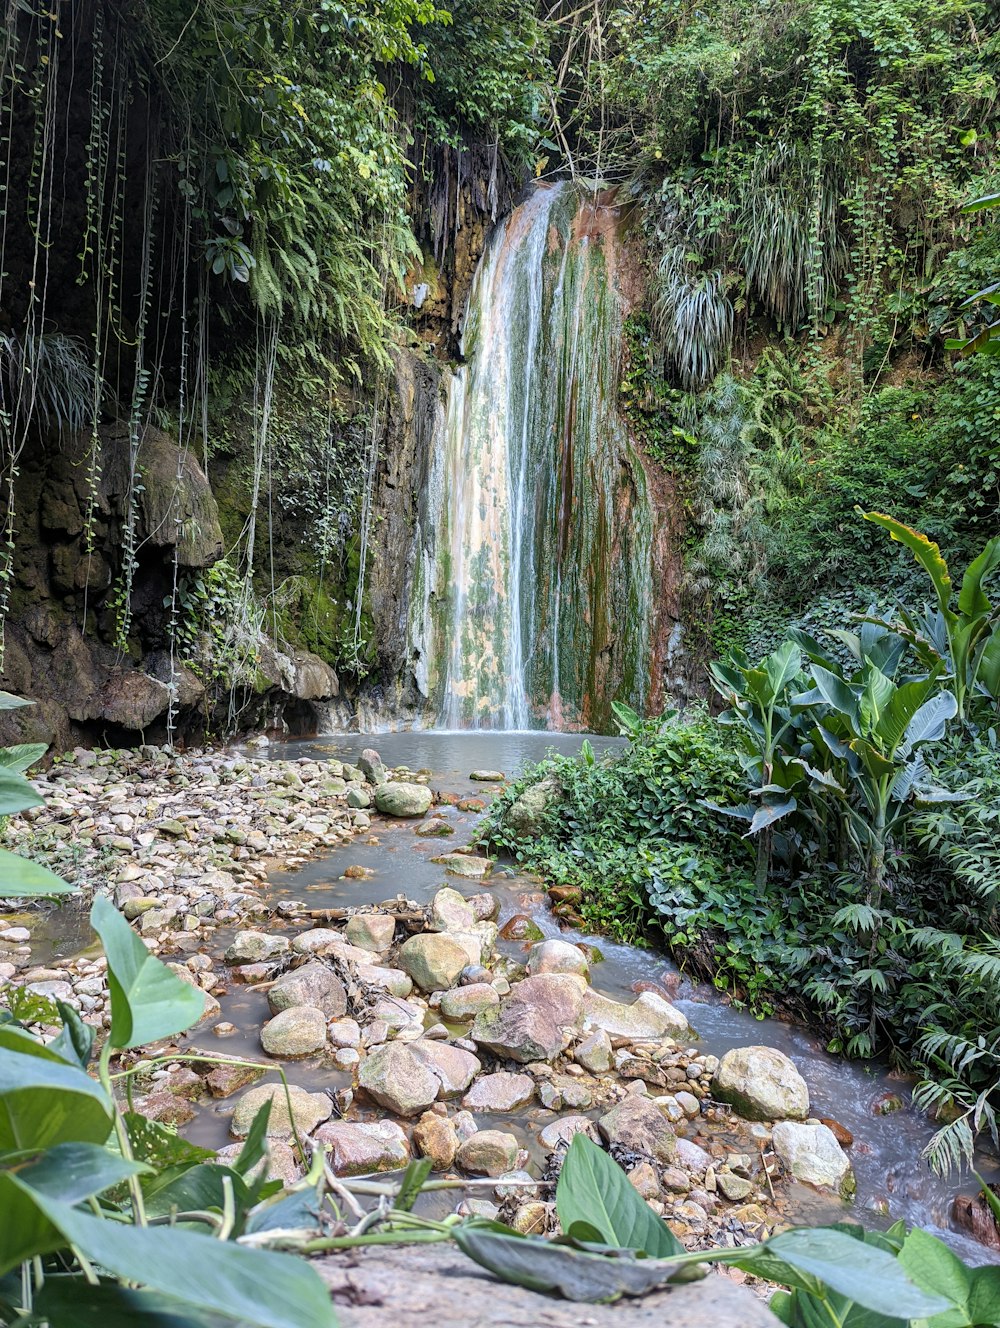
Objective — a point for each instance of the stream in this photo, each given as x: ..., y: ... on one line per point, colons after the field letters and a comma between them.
x: 891, y: 1177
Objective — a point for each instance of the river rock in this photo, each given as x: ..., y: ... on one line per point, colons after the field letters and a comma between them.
x: 344, y: 1033
x: 227, y: 1079
x: 465, y: 864
x: 762, y: 1084
x: 692, y: 1157
x: 557, y: 957
x: 524, y: 815
x: 466, y: 1002
x: 371, y: 931
x: 536, y: 1021
x: 391, y: 980
x: 488, y: 1153
x: 562, y: 1131
x: 358, y: 799
x: 297, y: 1031
x: 485, y: 906
x: 359, y: 1148
x: 811, y: 1153
x: 370, y: 765
x: 399, y: 1080
x: 488, y: 776
x: 501, y: 1091
x: 648, y: 1018
x: 252, y: 947
x: 312, y: 984
x: 308, y: 1110
x: 450, y: 911
x: 594, y: 1053
x: 399, y: 798
x: 317, y: 941
x: 641, y: 1127
x: 454, y: 1068
x: 435, y: 1137
x: 433, y: 960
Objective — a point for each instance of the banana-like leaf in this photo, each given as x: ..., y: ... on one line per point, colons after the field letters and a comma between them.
x: 972, y: 599
x: 930, y: 721
x: 812, y: 649
x: 770, y: 813
x: 20, y: 878
x: 22, y: 755
x: 924, y: 550
x: 876, y: 696
x: 910, y: 775
x: 836, y: 693
x: 987, y: 668
x: 744, y: 812
x: 782, y: 665
x: 906, y: 701
x: 872, y: 760
x: 10, y: 702
x: 821, y: 777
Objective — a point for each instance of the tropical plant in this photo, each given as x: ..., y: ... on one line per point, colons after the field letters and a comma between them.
x: 962, y: 638
x: 108, y: 1215
x: 20, y: 878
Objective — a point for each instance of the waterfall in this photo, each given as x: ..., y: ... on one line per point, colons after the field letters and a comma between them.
x: 532, y: 607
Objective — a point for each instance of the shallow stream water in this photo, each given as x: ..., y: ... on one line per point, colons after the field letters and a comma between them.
x: 887, y: 1148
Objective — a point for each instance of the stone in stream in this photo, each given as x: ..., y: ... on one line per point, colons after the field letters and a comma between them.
x: 734, y: 1188
x: 594, y: 1052
x: 435, y: 1137
x: 360, y: 1148
x: 358, y: 799
x: 762, y: 1084
x: 312, y: 984
x: 536, y: 1021
x: 485, y: 905
x: 212, y: 1007
x: 812, y: 1154
x: 639, y: 1126
x: 557, y: 957
x: 488, y: 1153
x: 433, y: 960
x: 317, y: 941
x: 454, y: 1068
x: 692, y: 1157
x: 521, y: 927
x: 344, y: 1033
x: 435, y: 827
x: 488, y: 776
x: 399, y: 798
x: 297, y: 1031
x: 648, y: 1018
x: 465, y: 864
x: 399, y: 1080
x: 252, y: 947
x: 371, y: 931
x: 501, y: 1091
x: 370, y: 765
x: 308, y: 1110
x: 451, y: 911
x: 392, y: 980
x: 226, y: 1079
x: 562, y: 1131
x: 466, y: 1002
x: 524, y: 815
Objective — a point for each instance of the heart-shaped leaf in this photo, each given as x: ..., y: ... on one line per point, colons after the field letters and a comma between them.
x: 44, y: 1101
x: 594, y: 1190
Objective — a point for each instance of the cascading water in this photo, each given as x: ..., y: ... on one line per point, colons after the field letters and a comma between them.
x: 535, y: 587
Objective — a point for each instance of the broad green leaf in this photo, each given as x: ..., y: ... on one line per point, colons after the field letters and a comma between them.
x: 299, y: 1211
x: 148, y: 1002
x: 72, y: 1300
x: 10, y: 702
x: 20, y: 878
x: 75, y: 1042
x: 782, y: 666
x: 73, y: 1172
x: 25, y: 1231
x: 934, y: 1267
x: 22, y: 755
x: 593, y: 1188
x: 162, y: 1147
x: 836, y: 693
x: 928, y: 724
x: 17, y: 794
x: 873, y: 761
x: 984, y: 1297
x: 45, y: 1102
x: 926, y: 552
x: 255, y: 1145
x: 186, y: 1189
x: 978, y: 204
x: 252, y: 1286
x: 769, y: 813
x: 412, y: 1183
x: 542, y: 1265
x: 865, y: 1274
x: 876, y: 696
x: 972, y: 599
x: 903, y: 705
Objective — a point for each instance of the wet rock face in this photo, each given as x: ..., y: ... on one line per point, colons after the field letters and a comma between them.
x: 398, y: 1080
x: 536, y: 1021
x: 312, y: 984
x: 433, y: 960
x: 762, y: 1084
x: 811, y: 1153
x: 501, y: 1091
x: 359, y: 1148
x: 308, y: 1111
x: 297, y: 1031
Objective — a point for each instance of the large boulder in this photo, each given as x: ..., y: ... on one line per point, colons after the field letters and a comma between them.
x: 762, y: 1084
x: 501, y: 1091
x: 811, y: 1153
x: 398, y: 1079
x: 557, y: 957
x: 450, y: 911
x: 433, y: 960
x: 399, y: 798
x: 308, y: 1110
x: 640, y: 1126
x: 536, y: 1021
x: 297, y: 1031
x: 648, y: 1018
x: 312, y: 984
x: 132, y: 700
x: 371, y: 931
x: 359, y: 1148
x: 524, y: 815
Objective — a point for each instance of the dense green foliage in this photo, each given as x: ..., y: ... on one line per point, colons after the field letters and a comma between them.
x: 871, y: 905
